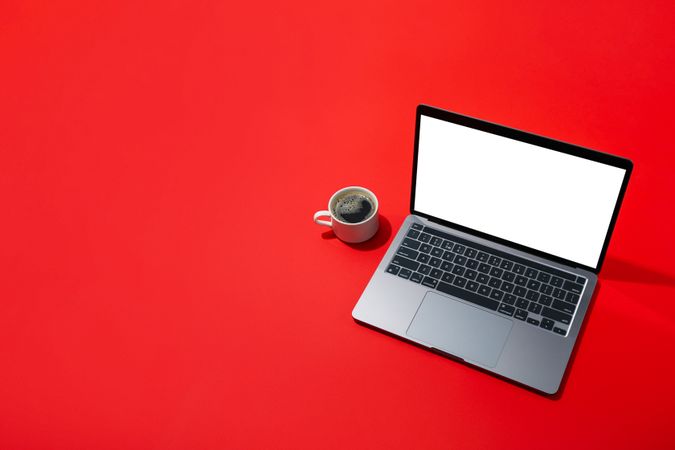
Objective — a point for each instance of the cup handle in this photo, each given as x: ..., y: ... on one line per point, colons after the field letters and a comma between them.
x: 322, y: 222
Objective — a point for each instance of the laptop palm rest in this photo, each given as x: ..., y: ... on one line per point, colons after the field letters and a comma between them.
x: 460, y: 329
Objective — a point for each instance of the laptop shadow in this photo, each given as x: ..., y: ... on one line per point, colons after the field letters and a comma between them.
x: 381, y: 237
x: 617, y: 270
x: 627, y: 271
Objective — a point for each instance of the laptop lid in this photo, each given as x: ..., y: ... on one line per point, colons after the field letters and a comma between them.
x: 537, y: 194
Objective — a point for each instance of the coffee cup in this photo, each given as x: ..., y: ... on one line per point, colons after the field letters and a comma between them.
x: 353, y: 214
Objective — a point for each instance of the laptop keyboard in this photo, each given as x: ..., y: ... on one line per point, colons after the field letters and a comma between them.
x: 540, y: 295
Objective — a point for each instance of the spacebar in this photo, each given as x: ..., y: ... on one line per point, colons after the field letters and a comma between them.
x: 468, y: 296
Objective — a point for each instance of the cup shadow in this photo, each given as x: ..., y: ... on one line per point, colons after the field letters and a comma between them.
x: 381, y: 237
x: 622, y: 270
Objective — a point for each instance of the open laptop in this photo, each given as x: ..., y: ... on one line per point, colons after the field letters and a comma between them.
x: 497, y: 261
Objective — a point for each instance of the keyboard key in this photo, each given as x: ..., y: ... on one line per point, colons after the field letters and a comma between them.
x: 405, y: 262
x: 470, y: 274
x: 520, y: 291
x: 413, y: 234
x: 447, y: 245
x: 484, y: 268
x: 495, y: 282
x: 545, y: 300
x: 506, y: 309
x: 424, y: 269
x: 472, y: 264
x: 448, y: 256
x: 556, y: 315
x: 436, y: 252
x: 546, y: 289
x: 484, y: 290
x: 532, y: 295
x: 559, y: 331
x: 416, y: 277
x: 436, y: 241
x: 430, y: 282
x: 425, y: 248
x: 547, y: 324
x: 564, y: 306
x: 392, y: 269
x: 573, y: 287
x: 405, y: 273
x: 572, y: 298
x: 510, y: 299
x: 461, y: 260
x: 423, y: 258
x: 436, y: 273
x: 531, y: 273
x: 494, y: 260
x: 544, y: 277
x: 534, y: 308
x: 533, y: 284
x: 425, y: 238
x: 482, y: 278
x: 559, y: 293
x: 496, y: 272
x: 520, y: 314
x: 448, y: 277
x: 468, y: 296
x: 532, y: 321
x: 522, y: 303
x: 520, y: 270
x: 408, y: 252
x: 470, y: 253
x: 459, y: 249
x: 458, y: 270
x: 446, y: 266
x: 496, y: 294
x: 459, y: 281
x: 435, y: 262
x: 581, y: 280
x: 410, y: 243
x: 472, y: 286
x: 557, y: 282
x: 506, y: 264
x: 417, y: 226
x: 508, y: 276
x: 482, y: 256
x: 520, y: 280
x: 507, y: 287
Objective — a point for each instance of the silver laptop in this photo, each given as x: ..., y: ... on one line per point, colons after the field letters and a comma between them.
x: 497, y: 261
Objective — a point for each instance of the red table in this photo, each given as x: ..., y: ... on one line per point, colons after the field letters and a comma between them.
x: 163, y: 286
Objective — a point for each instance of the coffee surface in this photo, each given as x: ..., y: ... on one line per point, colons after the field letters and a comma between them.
x: 353, y: 208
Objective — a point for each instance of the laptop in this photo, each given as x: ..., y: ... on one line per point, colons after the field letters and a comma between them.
x: 497, y: 261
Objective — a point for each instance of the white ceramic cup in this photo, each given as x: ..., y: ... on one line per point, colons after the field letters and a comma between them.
x: 350, y: 232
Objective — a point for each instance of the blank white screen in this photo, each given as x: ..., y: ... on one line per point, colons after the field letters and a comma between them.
x: 547, y: 200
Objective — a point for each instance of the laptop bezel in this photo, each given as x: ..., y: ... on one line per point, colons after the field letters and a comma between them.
x: 531, y: 138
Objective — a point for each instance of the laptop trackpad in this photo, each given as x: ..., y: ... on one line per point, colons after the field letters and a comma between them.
x: 460, y: 329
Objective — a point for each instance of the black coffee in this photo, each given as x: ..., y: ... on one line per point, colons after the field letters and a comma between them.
x: 353, y: 207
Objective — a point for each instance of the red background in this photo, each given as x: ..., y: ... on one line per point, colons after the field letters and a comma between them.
x: 162, y: 284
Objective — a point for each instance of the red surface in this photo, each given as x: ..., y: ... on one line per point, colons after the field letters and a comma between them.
x: 162, y: 284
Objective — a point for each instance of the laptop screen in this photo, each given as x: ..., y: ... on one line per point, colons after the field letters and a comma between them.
x: 543, y: 199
